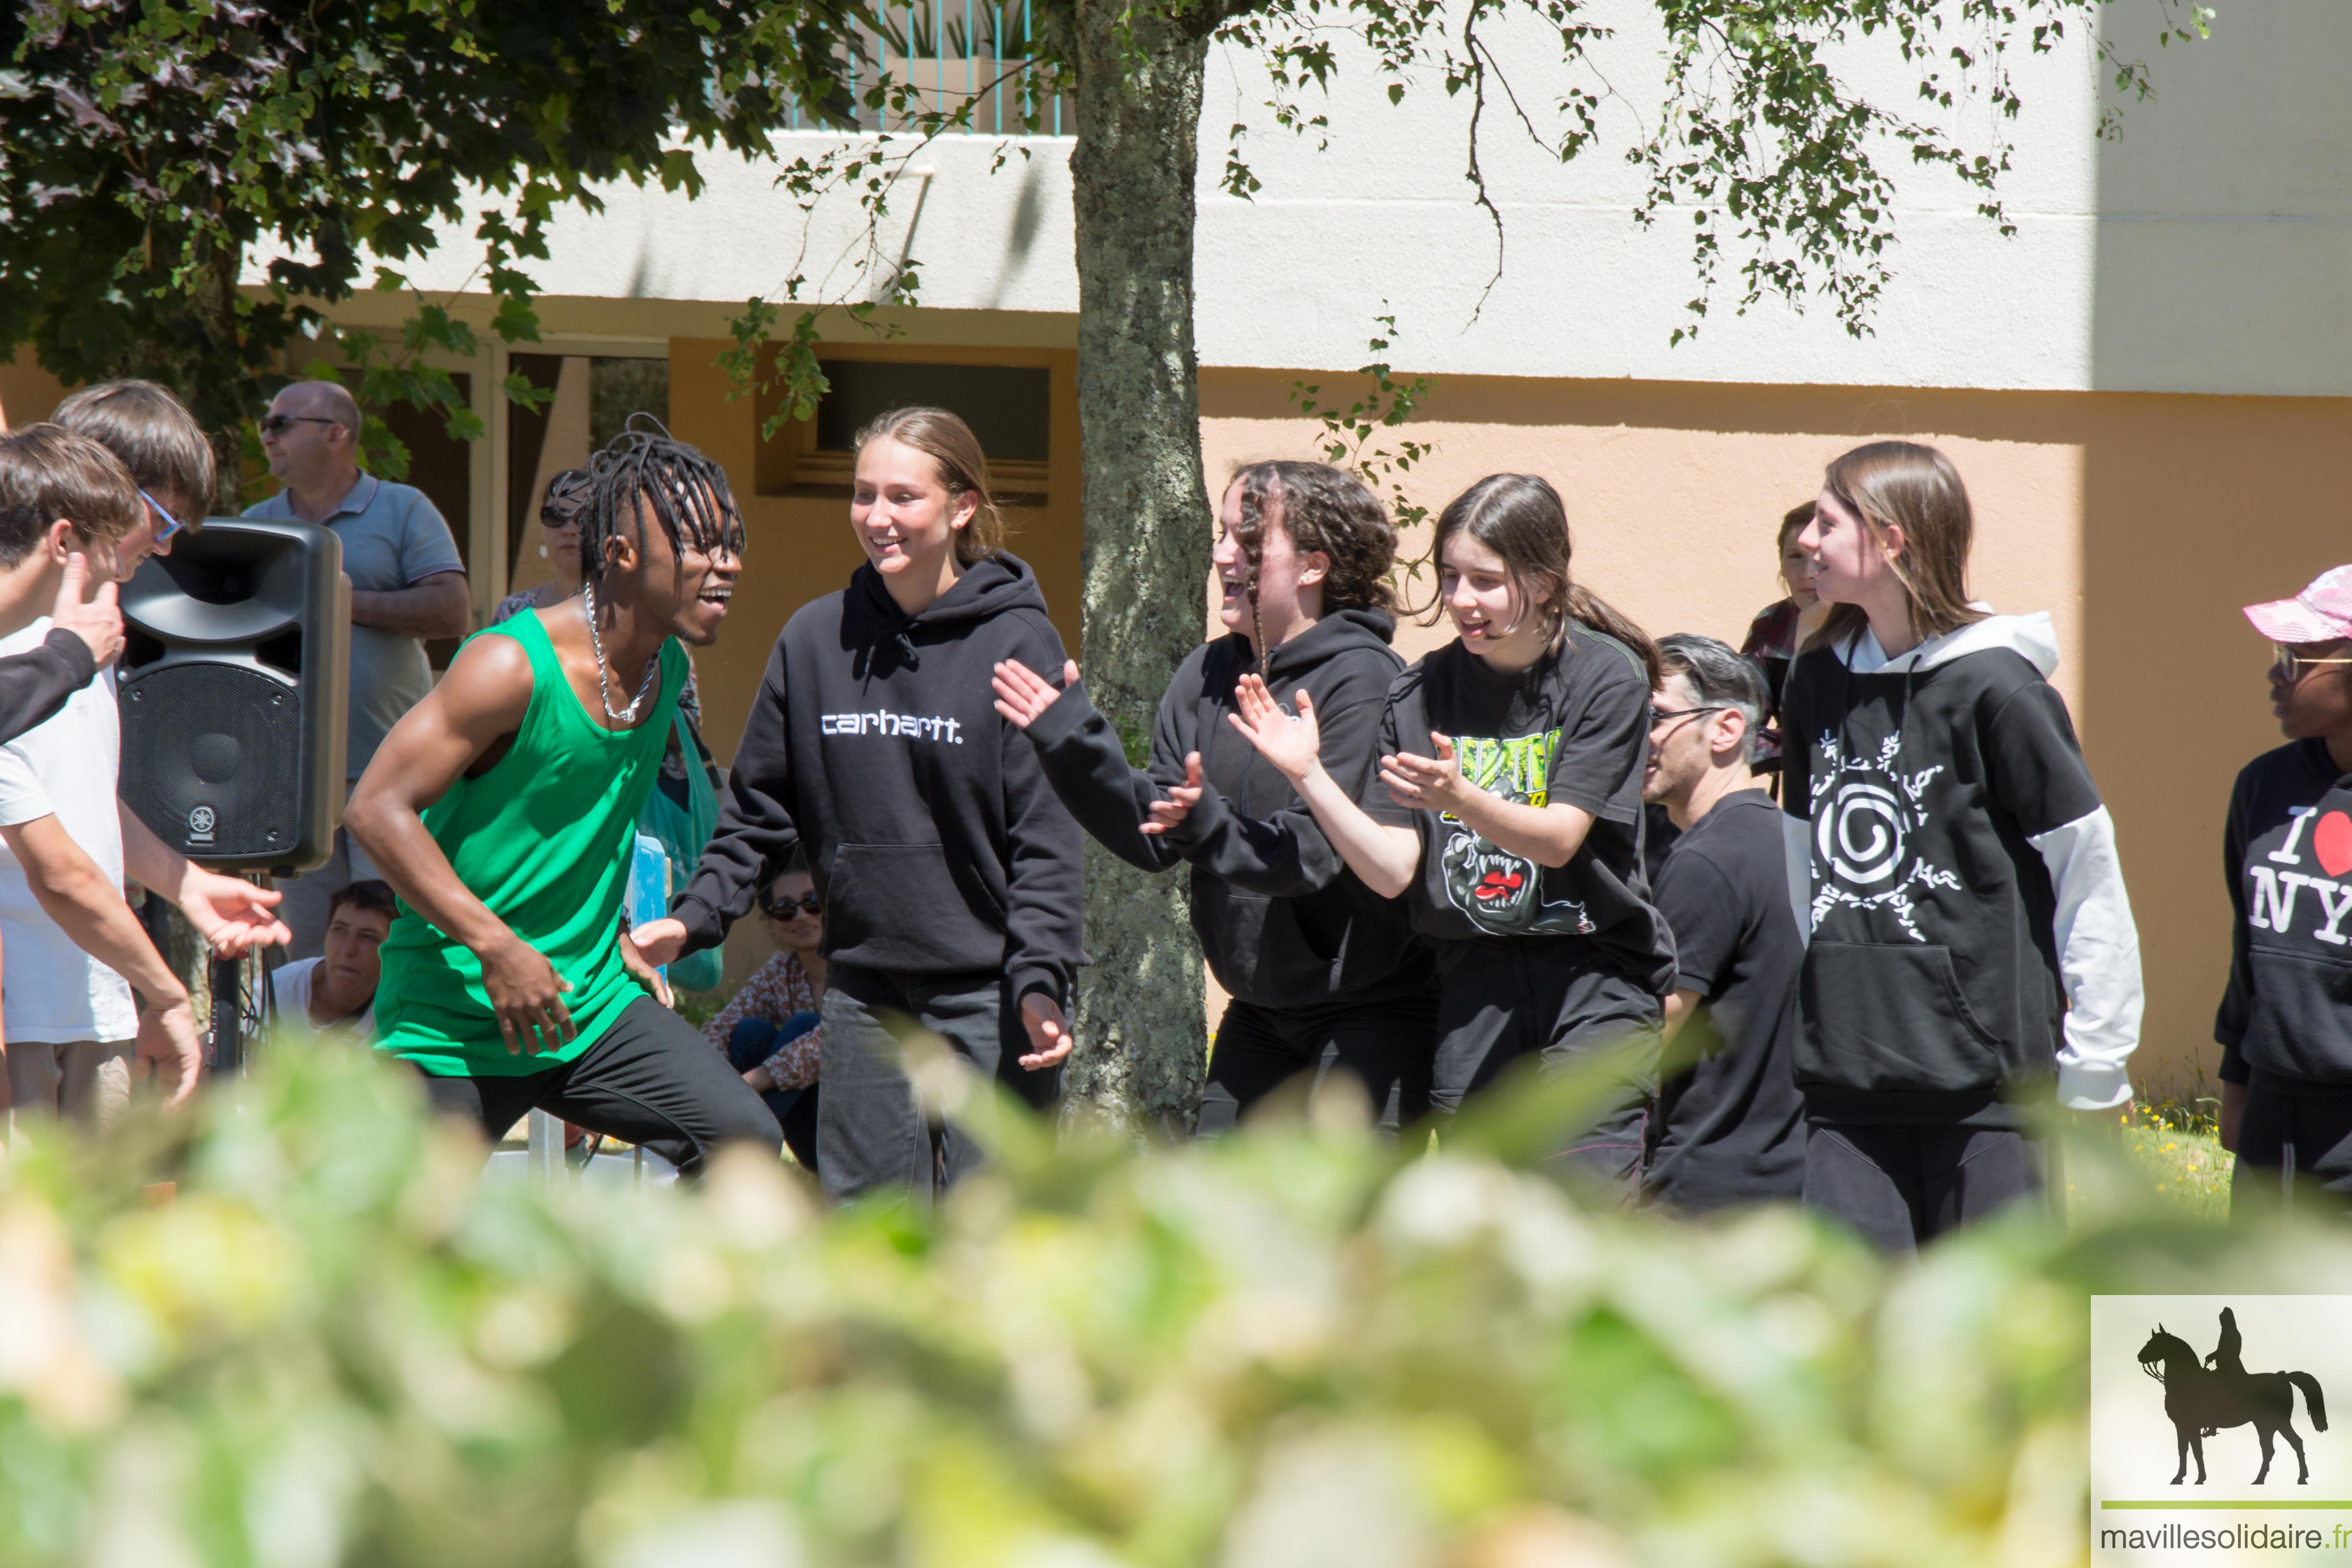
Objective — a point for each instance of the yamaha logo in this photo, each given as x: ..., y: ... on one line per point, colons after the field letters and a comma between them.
x: 200, y: 825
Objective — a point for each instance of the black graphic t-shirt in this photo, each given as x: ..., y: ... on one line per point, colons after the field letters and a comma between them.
x: 1574, y: 727
x: 2286, y: 1020
x: 1733, y: 1123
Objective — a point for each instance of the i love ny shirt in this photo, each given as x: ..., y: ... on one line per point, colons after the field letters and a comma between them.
x: 2286, y: 1020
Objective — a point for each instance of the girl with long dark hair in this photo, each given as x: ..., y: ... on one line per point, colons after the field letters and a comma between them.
x: 1323, y: 973
x: 1517, y: 834
x: 948, y: 872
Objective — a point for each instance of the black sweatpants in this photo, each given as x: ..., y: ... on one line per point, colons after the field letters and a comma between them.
x: 652, y: 1079
x: 1504, y: 999
x: 2293, y: 1149
x: 870, y: 1132
x: 1385, y: 1044
x: 1904, y: 1187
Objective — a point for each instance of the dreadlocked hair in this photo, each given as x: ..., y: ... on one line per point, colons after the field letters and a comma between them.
x: 1520, y: 518
x: 647, y: 470
x: 1318, y: 507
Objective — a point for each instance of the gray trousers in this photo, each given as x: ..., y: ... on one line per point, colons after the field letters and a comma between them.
x: 870, y: 1132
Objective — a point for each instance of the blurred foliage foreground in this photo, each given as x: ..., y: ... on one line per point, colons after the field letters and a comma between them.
x: 336, y: 1346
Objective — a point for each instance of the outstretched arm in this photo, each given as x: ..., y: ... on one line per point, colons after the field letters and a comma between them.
x: 479, y: 706
x: 1386, y: 858
x: 754, y: 840
x: 235, y: 916
x: 1121, y: 806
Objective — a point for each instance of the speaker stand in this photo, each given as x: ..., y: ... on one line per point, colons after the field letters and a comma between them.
x: 231, y: 983
x: 228, y: 1017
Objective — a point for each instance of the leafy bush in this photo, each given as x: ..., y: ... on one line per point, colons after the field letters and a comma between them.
x: 335, y: 1347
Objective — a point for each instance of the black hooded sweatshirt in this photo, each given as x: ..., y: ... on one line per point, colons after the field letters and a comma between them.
x: 875, y: 748
x: 2285, y: 1022
x: 1282, y: 920
x: 1963, y: 887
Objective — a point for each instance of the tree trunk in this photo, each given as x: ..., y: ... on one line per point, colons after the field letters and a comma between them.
x: 1143, y: 1047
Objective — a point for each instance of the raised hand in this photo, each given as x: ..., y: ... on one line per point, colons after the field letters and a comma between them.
x: 1164, y: 816
x: 1049, y: 1032
x: 1433, y: 783
x: 232, y: 915
x: 99, y: 622
x: 1023, y: 694
x: 1292, y: 743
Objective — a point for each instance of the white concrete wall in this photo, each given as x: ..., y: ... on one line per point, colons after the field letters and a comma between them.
x: 2205, y: 249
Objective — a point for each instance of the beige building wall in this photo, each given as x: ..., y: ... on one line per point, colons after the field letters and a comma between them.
x: 2141, y: 521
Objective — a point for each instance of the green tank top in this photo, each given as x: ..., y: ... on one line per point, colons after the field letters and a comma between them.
x: 544, y: 839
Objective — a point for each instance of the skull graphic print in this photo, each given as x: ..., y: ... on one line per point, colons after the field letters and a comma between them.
x: 1867, y: 814
x: 1502, y: 892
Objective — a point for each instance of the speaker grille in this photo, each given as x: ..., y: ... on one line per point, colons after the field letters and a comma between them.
x: 212, y: 757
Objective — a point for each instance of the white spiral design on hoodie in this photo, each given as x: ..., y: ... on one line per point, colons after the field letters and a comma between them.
x: 1862, y: 835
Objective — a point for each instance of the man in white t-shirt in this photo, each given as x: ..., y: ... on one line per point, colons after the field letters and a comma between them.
x: 333, y: 995
x: 72, y: 949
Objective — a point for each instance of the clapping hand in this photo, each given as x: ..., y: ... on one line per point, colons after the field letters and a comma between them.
x: 1022, y: 695
x: 1292, y: 743
x: 1431, y: 784
x: 1166, y: 815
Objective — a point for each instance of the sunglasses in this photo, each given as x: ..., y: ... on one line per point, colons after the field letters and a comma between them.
x: 166, y: 524
x: 2292, y: 664
x: 785, y: 908
x: 278, y: 423
x: 1667, y: 715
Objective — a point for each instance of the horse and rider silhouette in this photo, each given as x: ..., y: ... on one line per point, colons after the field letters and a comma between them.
x: 2201, y: 1397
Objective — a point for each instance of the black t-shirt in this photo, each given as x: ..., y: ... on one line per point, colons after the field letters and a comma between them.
x: 1574, y: 726
x: 1733, y: 1125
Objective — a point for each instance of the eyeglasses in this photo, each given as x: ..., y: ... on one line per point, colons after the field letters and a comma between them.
x: 2292, y: 664
x: 785, y: 908
x: 276, y: 423
x: 166, y: 524
x: 1667, y: 715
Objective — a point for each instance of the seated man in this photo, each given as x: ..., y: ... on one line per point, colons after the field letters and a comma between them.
x: 334, y: 994
x: 1730, y: 1126
x: 503, y: 809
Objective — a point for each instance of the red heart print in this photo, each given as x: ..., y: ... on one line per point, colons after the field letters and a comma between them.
x: 2332, y: 842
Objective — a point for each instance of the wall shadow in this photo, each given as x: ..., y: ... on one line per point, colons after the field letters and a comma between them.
x: 2219, y: 276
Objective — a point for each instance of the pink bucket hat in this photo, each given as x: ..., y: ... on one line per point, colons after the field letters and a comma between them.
x: 2321, y: 613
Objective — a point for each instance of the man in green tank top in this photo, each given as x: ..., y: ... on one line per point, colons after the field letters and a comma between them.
x: 503, y: 811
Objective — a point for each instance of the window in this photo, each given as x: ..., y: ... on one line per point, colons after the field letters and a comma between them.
x: 1007, y: 406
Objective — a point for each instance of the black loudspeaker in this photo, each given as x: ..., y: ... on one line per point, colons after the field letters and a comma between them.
x: 234, y: 685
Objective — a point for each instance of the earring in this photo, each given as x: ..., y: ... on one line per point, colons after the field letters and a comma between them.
x: 542, y: 552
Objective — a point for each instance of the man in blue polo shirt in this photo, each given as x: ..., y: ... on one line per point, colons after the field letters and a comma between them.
x: 408, y: 583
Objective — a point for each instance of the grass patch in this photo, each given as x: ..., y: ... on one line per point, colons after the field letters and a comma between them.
x: 2178, y: 1143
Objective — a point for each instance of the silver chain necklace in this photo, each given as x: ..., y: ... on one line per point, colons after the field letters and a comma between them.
x: 604, y: 682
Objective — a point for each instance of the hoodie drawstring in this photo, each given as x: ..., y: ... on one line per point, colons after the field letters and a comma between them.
x: 907, y: 651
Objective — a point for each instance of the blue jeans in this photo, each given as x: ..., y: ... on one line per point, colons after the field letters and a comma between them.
x: 753, y: 1042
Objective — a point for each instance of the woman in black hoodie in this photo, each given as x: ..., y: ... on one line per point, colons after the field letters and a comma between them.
x: 1322, y: 973
x: 949, y: 873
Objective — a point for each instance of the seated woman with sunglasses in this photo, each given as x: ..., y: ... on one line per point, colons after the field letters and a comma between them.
x: 769, y: 1029
x: 2285, y: 1031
